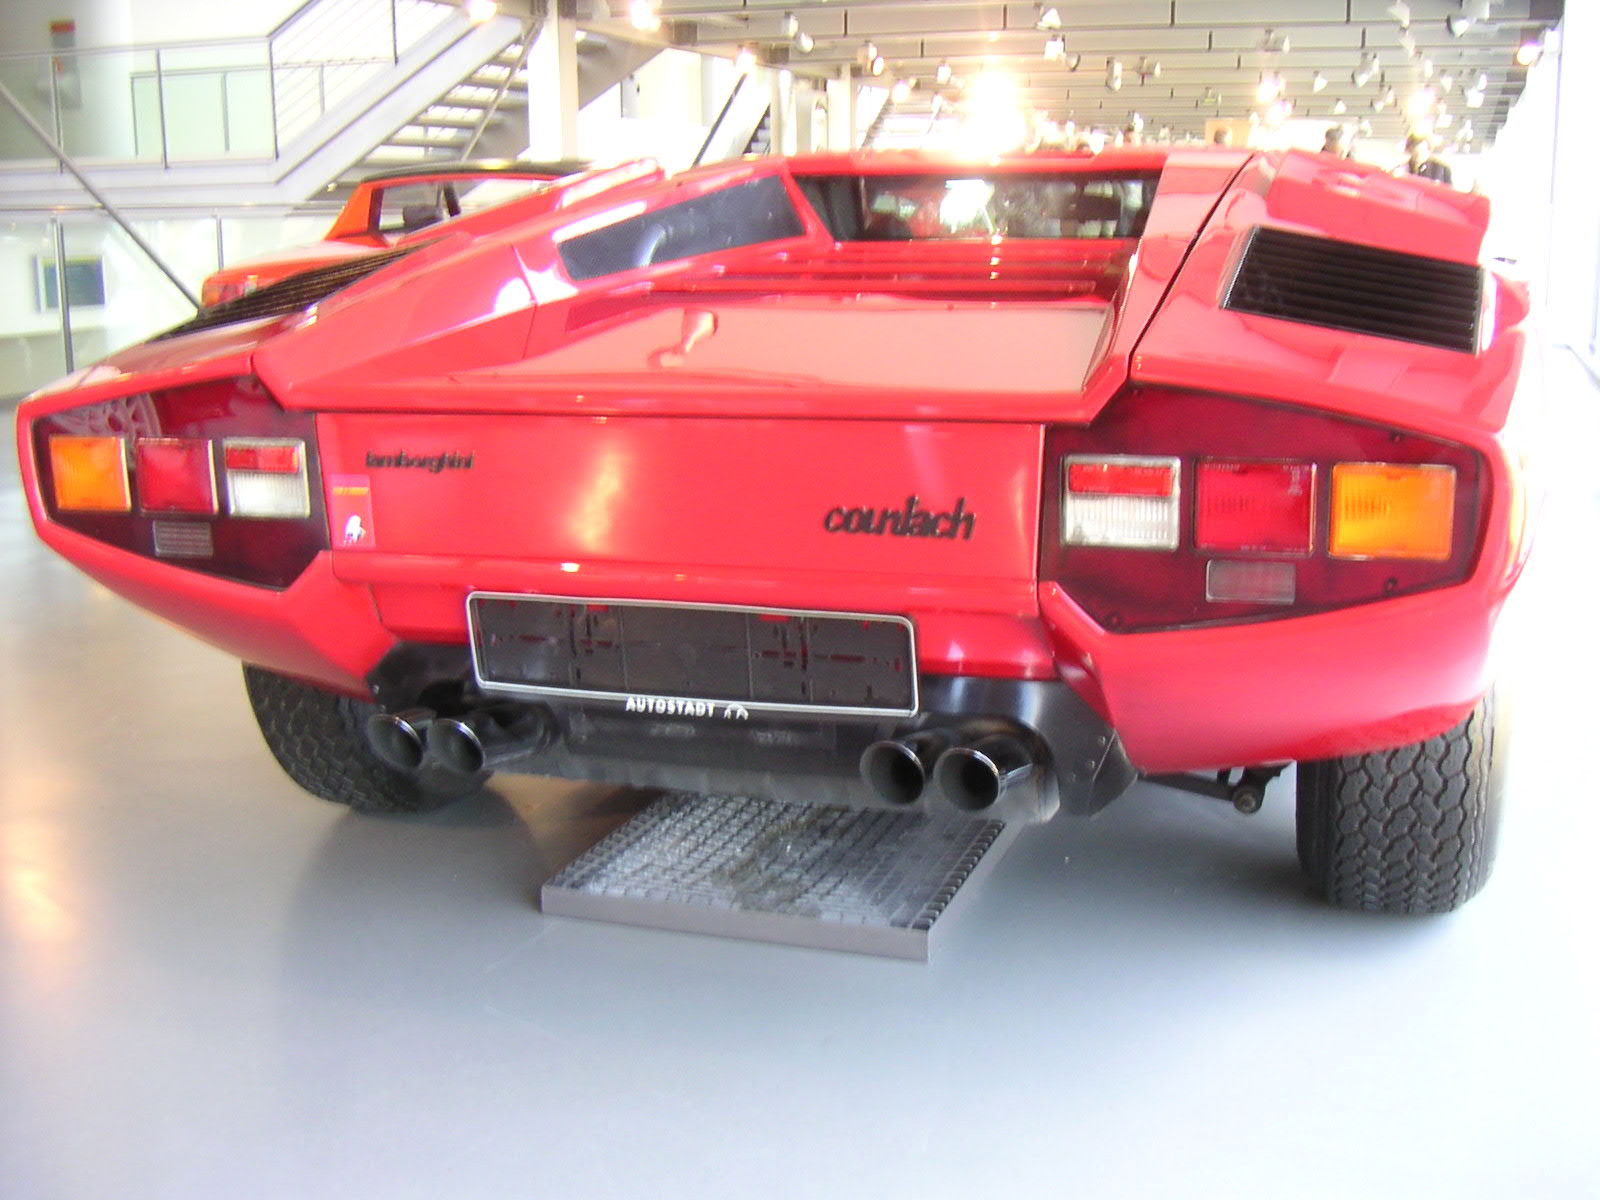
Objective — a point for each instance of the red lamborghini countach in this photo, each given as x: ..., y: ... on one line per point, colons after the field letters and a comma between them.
x: 861, y: 479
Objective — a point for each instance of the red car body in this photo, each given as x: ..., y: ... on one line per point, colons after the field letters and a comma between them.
x: 374, y: 218
x: 817, y: 423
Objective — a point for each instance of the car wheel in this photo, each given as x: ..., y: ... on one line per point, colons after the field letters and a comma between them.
x: 316, y: 736
x: 1410, y: 830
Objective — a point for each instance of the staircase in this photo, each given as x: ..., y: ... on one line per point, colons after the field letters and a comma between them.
x: 761, y: 140
x: 485, y: 114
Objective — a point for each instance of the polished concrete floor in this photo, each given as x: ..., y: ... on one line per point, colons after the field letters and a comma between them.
x: 212, y: 985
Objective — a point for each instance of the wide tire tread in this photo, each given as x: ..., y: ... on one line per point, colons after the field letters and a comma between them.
x: 1409, y: 830
x: 317, y: 738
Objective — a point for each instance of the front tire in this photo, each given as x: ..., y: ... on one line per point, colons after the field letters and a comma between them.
x: 317, y: 737
x: 1411, y: 830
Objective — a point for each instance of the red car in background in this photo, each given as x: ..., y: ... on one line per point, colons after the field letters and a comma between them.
x: 887, y: 480
x: 384, y: 209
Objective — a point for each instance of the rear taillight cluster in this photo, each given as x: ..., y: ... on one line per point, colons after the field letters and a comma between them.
x: 1178, y: 509
x: 215, y: 477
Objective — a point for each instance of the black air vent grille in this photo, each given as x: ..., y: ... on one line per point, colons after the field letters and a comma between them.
x: 289, y: 295
x: 1341, y: 285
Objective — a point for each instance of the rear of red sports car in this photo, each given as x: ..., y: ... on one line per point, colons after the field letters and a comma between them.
x: 879, y: 480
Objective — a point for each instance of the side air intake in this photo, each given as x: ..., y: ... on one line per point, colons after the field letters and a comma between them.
x: 289, y: 295
x: 1340, y: 285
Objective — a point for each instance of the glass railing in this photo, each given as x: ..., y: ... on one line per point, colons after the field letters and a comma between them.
x: 115, y: 294
x: 229, y: 99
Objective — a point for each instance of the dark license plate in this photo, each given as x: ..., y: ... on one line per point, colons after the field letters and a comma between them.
x: 761, y: 659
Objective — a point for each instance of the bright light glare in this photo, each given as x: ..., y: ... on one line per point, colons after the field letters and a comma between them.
x: 965, y: 202
x: 994, y: 119
x: 745, y: 61
x: 1421, y: 102
x: 479, y: 11
x: 643, y: 16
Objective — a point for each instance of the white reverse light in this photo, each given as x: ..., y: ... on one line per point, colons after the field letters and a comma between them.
x: 1120, y: 500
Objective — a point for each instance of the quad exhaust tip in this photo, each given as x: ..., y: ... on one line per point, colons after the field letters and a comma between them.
x: 972, y: 772
x: 478, y: 741
x: 974, y: 777
x: 399, y: 739
x: 898, y: 769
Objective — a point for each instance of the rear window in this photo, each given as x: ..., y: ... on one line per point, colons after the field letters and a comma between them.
x: 743, y: 215
x: 898, y: 208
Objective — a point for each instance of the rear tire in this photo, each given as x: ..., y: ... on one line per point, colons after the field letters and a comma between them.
x: 317, y: 737
x: 1411, y: 830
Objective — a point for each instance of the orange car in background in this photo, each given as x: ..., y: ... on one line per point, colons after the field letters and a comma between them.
x: 383, y: 209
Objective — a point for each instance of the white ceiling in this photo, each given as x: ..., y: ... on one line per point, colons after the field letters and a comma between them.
x: 1205, y: 48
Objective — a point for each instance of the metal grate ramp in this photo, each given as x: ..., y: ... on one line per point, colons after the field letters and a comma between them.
x: 871, y: 881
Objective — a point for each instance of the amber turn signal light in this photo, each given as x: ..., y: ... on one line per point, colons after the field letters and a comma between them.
x: 89, y: 474
x: 1392, y: 510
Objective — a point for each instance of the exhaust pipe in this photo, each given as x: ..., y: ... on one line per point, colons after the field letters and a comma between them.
x: 897, y: 769
x: 974, y: 777
x: 482, y: 740
x: 398, y: 738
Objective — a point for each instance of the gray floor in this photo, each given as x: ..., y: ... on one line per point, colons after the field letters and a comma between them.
x: 212, y: 985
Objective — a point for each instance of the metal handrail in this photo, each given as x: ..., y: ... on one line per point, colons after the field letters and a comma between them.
x: 303, y: 80
x: 530, y: 34
x: 62, y: 157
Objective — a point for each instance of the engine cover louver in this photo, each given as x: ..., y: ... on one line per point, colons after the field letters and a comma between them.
x: 1341, y: 285
x: 289, y: 295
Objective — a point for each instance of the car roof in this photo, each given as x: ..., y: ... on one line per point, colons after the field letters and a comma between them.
x: 433, y: 168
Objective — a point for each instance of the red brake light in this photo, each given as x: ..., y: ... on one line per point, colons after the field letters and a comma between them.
x: 1254, y: 507
x: 267, y: 459
x: 1107, y: 478
x: 175, y: 475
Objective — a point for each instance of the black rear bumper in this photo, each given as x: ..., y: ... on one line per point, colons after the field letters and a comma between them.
x: 816, y: 758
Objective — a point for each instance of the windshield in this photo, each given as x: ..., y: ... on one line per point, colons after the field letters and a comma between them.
x: 941, y: 207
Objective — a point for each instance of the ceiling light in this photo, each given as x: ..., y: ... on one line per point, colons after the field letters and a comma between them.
x: 1528, y: 53
x: 1318, y: 81
x: 804, y: 42
x: 1408, y: 44
x: 1074, y: 62
x: 1364, y: 127
x: 1279, y: 112
x: 644, y: 16
x: 1389, y: 97
x: 1473, y: 97
x: 1447, y: 83
x: 1421, y: 102
x: 481, y: 11
x: 791, y: 25
x: 1270, y: 87
x: 876, y: 65
x: 942, y: 74
x: 1148, y: 68
x: 1273, y: 42
x: 1113, y: 74
x: 1340, y: 108
x: 1456, y: 26
x: 1425, y: 65
x: 1442, y: 120
x: 901, y: 91
x: 1401, y: 12
x: 1483, y: 81
x: 1055, y: 48
x: 1050, y: 18
x: 1364, y: 72
x: 745, y: 61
